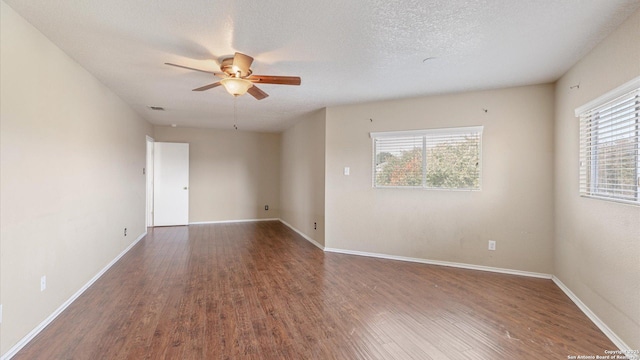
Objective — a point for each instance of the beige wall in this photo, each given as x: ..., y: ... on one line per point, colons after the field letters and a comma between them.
x: 71, y: 160
x: 302, y: 176
x: 232, y: 174
x: 514, y: 207
x: 597, y: 248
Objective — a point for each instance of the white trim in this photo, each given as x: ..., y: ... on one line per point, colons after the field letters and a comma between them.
x: 419, y: 260
x: 148, y: 180
x: 317, y: 244
x: 449, y: 130
x: 25, y: 340
x: 230, y: 221
x: 594, y: 318
x: 610, y: 95
x: 442, y: 263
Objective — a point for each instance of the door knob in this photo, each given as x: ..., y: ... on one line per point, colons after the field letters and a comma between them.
x: 185, y: 188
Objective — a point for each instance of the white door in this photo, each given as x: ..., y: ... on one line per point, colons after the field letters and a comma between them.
x: 170, y: 184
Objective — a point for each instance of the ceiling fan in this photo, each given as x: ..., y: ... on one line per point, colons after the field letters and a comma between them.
x: 237, y: 77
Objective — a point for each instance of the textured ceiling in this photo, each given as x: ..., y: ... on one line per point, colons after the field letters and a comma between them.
x: 346, y: 51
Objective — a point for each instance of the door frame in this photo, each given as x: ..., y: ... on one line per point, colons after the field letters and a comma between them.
x: 149, y: 182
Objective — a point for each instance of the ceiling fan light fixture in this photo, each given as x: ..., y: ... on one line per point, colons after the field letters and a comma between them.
x: 236, y: 86
x: 238, y: 79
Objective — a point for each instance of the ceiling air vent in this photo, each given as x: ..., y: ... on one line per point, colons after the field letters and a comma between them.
x: 157, y: 108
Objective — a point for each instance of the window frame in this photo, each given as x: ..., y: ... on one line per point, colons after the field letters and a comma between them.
x: 426, y: 133
x: 591, y: 128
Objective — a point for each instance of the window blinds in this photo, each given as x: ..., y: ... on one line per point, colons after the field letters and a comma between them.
x: 609, y: 151
x: 437, y: 159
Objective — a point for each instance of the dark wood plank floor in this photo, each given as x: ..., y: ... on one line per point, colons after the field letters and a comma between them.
x: 260, y: 291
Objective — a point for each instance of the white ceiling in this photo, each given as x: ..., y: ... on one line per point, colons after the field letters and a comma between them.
x: 346, y: 51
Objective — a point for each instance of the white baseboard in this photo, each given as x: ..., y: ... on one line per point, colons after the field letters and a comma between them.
x: 230, y: 221
x: 317, y: 244
x: 442, y: 263
x: 596, y: 320
x: 25, y: 340
x: 419, y: 260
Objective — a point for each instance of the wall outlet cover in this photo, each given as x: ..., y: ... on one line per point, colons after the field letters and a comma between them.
x: 492, y: 244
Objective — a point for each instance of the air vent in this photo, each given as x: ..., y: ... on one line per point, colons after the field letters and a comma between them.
x: 157, y: 108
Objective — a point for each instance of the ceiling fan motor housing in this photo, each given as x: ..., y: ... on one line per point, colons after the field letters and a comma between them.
x: 226, y: 65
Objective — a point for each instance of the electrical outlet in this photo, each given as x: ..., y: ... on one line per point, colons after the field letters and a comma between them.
x: 43, y: 282
x: 315, y: 226
x: 266, y: 207
x: 492, y: 244
x: 347, y: 170
x: 125, y: 231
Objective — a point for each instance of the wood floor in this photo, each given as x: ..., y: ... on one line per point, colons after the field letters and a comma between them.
x: 260, y: 291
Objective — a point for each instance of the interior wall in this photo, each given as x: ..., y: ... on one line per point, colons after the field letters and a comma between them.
x: 232, y: 174
x: 514, y: 207
x: 71, y: 179
x: 302, y: 187
x: 597, y: 244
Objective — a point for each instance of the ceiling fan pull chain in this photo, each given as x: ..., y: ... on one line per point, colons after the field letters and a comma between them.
x: 235, y: 112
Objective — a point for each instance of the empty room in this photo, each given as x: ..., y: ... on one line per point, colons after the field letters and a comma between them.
x: 319, y: 179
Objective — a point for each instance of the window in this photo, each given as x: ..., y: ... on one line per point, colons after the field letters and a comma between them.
x: 609, y: 150
x: 432, y: 159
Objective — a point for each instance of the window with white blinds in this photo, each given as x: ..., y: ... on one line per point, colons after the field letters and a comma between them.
x: 609, y: 150
x: 433, y: 159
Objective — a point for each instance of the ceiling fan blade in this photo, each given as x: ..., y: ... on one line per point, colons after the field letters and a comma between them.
x: 207, y: 87
x: 243, y: 63
x: 218, y: 74
x: 257, y: 93
x: 280, y: 80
